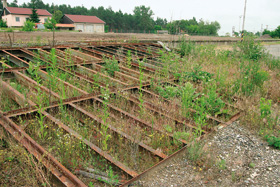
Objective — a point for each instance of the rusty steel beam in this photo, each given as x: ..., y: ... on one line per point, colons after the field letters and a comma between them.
x: 84, y: 77
x: 44, y: 74
x: 110, y: 56
x: 100, y: 49
x: 27, y: 110
x: 124, y: 50
x: 118, y: 74
x: 9, y: 70
x: 58, y: 58
x: 124, y: 57
x: 103, y: 75
x: 80, y: 76
x: 109, y: 157
x: 94, y: 147
x: 69, y: 56
x: 85, y: 56
x: 141, y: 144
x: 144, y: 51
x: 81, y: 56
x: 62, y: 173
x: 78, y: 136
x: 100, y: 54
x: 136, y: 119
x: 192, y: 110
x: 124, y: 70
x: 57, y: 169
x: 152, y: 108
x: 17, y: 60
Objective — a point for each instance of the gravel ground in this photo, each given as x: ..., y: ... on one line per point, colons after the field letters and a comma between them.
x: 238, y: 158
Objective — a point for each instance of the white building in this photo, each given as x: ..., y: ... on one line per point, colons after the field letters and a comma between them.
x: 85, y: 23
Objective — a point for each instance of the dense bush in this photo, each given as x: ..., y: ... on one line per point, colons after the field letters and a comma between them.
x: 28, y: 26
x: 185, y: 47
x: 250, y: 49
x: 3, y: 23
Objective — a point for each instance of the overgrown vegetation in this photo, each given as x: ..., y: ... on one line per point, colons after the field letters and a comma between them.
x: 192, y: 90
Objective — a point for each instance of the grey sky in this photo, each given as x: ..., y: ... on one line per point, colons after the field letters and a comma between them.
x: 226, y: 12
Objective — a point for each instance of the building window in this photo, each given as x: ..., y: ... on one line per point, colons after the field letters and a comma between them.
x: 17, y: 19
x: 46, y: 19
x: 27, y: 19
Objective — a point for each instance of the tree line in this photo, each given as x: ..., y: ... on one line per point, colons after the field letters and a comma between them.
x: 274, y: 34
x: 141, y: 19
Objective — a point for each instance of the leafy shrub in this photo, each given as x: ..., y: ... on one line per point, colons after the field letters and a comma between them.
x: 111, y: 65
x: 265, y: 107
x: 188, y: 96
x: 250, y: 49
x: 168, y: 91
x: 181, y: 135
x: 3, y: 23
x: 213, y: 102
x: 199, y: 76
x: 185, y: 48
x: 251, y: 78
x: 28, y: 26
x: 273, y: 141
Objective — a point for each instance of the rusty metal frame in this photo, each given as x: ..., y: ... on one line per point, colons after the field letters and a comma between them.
x: 89, y: 55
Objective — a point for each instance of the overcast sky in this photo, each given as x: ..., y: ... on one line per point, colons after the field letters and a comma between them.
x: 226, y: 12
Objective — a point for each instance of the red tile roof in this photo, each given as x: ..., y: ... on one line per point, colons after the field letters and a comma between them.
x: 27, y: 11
x: 84, y: 19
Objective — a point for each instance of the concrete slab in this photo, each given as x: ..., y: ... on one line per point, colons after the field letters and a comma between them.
x: 274, y: 50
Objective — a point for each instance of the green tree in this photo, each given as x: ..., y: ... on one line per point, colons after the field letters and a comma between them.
x: 34, y: 16
x: 50, y: 23
x: 193, y: 27
x: 13, y: 4
x: 57, y: 16
x: 143, y: 16
x: 273, y: 34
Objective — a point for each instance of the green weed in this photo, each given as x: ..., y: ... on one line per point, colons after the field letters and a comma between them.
x: 273, y: 141
x: 111, y: 65
x: 198, y: 76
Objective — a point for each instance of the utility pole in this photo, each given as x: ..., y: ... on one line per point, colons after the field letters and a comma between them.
x: 5, y: 4
x: 244, y: 15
